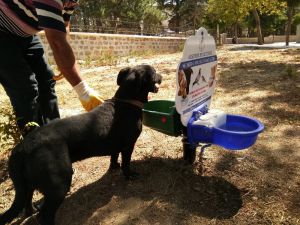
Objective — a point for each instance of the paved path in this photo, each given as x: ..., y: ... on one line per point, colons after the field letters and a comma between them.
x: 279, y: 45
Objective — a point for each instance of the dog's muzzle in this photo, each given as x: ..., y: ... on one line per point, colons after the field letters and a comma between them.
x: 156, y: 87
x: 158, y: 80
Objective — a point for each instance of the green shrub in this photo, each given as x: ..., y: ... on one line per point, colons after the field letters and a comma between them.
x: 291, y: 72
x: 9, y: 132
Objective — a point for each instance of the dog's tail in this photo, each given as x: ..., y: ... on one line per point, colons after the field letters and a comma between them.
x: 15, y: 167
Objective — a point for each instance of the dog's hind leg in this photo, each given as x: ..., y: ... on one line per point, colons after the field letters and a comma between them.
x: 29, y: 210
x: 48, y: 210
x: 16, y: 207
x: 15, y: 167
x: 54, y: 190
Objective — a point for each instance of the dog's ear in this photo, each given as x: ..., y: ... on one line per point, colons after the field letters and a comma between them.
x: 123, y: 74
x: 130, y: 79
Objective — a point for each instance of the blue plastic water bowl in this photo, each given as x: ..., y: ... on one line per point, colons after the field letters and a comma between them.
x: 239, y: 132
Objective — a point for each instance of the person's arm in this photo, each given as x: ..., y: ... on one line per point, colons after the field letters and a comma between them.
x: 60, y: 76
x: 67, y: 24
x: 65, y: 60
x: 63, y: 55
x: 52, y: 20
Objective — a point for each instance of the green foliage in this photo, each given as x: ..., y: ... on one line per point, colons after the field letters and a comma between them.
x: 235, y: 11
x: 181, y: 47
x: 297, y: 19
x: 271, y: 24
x: 291, y: 72
x: 291, y: 3
x: 104, y: 11
x: 267, y: 7
x: 183, y: 15
x: 9, y: 132
x: 227, y: 11
x: 106, y: 58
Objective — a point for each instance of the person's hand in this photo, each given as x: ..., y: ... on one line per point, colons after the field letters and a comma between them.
x: 58, y: 77
x: 87, y: 96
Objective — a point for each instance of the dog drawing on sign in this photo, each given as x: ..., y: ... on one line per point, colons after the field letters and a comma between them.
x: 182, y: 84
x: 43, y: 160
x: 184, y: 79
x: 212, y: 77
x: 188, y: 73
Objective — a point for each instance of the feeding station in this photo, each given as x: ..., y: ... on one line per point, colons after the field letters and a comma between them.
x: 190, y: 115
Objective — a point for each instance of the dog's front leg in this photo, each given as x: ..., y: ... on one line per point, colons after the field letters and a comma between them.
x: 125, y: 166
x: 114, y: 165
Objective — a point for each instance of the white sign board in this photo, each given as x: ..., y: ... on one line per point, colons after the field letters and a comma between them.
x: 196, y: 74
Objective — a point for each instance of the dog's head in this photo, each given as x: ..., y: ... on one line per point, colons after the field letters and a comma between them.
x: 182, y: 84
x: 188, y: 72
x: 136, y: 82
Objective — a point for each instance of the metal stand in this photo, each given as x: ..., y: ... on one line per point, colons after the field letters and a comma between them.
x: 200, y: 165
x: 203, y: 147
x: 189, y: 150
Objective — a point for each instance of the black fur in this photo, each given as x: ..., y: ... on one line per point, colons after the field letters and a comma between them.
x: 44, y: 159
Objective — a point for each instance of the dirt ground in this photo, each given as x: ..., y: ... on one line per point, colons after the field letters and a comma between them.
x: 259, y: 185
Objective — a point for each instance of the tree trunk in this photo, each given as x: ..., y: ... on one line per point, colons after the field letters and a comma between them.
x: 177, y: 23
x: 98, y: 24
x: 289, y: 25
x: 260, y: 40
x: 85, y: 24
x: 177, y: 16
x: 236, y: 32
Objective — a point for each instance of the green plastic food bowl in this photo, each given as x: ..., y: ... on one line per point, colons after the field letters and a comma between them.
x: 161, y: 115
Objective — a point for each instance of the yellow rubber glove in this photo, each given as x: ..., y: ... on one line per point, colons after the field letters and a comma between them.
x: 87, y: 96
x: 30, y: 126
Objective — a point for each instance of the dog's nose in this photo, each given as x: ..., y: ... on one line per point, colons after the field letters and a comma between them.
x: 156, y: 87
x: 159, y: 78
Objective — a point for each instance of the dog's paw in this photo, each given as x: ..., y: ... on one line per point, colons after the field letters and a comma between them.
x: 29, y: 211
x: 31, y: 221
x: 114, y: 167
x: 37, y: 206
x: 132, y: 175
x: 44, y: 219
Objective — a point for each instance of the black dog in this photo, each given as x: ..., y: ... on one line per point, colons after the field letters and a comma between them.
x: 43, y: 160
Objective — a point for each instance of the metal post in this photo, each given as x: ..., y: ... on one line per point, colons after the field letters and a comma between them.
x: 189, y: 150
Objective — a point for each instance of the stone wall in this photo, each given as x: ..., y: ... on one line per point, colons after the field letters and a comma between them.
x: 89, y: 46
x: 92, y: 45
x: 268, y: 40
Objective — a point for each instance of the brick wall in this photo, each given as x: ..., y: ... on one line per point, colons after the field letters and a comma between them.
x: 91, y: 45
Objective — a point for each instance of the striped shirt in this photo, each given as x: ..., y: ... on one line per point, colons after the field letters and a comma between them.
x: 27, y: 17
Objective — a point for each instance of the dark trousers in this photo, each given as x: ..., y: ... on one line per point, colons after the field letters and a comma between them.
x: 27, y: 79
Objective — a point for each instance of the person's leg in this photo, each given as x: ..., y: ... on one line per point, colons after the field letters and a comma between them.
x: 35, y: 57
x: 18, y: 80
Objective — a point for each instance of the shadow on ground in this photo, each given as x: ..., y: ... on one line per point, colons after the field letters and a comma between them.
x: 166, y: 187
x: 162, y: 180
